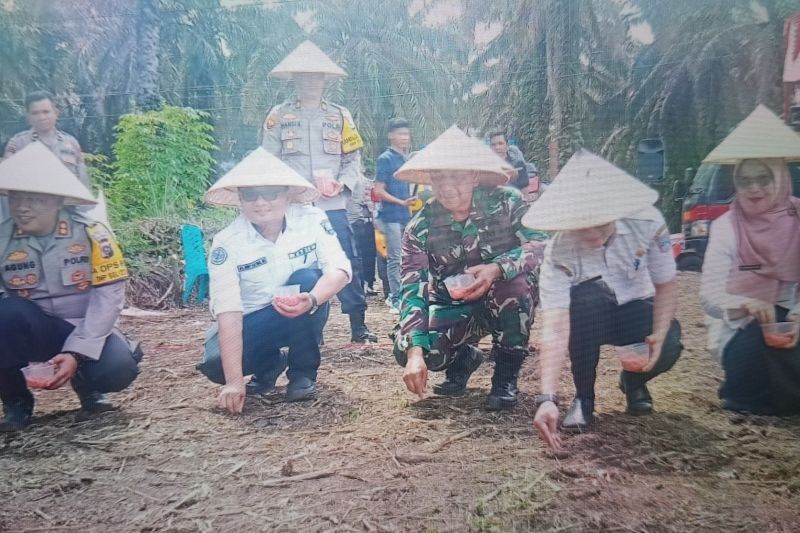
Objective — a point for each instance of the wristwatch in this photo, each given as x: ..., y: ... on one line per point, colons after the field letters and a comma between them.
x: 314, y: 304
x: 539, y: 399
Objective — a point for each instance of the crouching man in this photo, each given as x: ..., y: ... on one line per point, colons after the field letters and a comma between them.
x: 473, y: 228
x: 608, y: 277
x: 63, y: 282
x: 271, y: 245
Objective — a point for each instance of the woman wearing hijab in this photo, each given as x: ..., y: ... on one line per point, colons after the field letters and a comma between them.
x: 751, y: 277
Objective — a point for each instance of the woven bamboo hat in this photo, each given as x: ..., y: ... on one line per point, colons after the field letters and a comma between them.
x: 36, y: 169
x: 455, y: 150
x: 762, y: 135
x: 307, y: 59
x: 260, y: 169
x: 589, y: 191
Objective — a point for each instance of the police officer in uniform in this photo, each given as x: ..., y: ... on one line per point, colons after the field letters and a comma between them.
x: 472, y: 226
x: 276, y: 241
x: 62, y: 287
x: 319, y: 140
x: 42, y: 115
x: 608, y: 277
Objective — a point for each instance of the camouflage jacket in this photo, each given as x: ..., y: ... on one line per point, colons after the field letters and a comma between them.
x: 435, y: 246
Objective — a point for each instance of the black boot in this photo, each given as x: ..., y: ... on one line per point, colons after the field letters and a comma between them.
x: 93, y: 402
x: 467, y: 360
x: 504, y: 393
x: 359, y: 333
x: 18, y: 413
x: 637, y: 397
x: 17, y: 401
x: 265, y: 382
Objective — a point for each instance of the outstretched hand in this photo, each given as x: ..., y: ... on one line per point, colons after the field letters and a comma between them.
x: 546, y: 423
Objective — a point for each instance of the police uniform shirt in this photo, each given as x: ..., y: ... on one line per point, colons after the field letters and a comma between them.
x: 245, y: 268
x: 75, y: 274
x: 638, y: 255
x: 314, y: 139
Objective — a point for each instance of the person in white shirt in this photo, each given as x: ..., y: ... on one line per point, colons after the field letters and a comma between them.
x: 608, y: 277
x: 270, y: 245
x: 751, y: 273
x: 751, y: 277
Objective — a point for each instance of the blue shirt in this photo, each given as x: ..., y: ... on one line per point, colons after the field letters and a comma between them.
x: 388, y: 163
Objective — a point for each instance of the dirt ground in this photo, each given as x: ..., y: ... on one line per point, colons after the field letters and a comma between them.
x: 366, y: 456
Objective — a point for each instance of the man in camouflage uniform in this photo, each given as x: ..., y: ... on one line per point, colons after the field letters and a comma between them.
x: 42, y: 115
x: 475, y: 227
x: 319, y: 140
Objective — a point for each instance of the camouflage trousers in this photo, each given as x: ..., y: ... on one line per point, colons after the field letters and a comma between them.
x: 505, y: 313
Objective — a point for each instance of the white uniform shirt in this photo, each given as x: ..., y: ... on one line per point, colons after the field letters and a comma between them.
x: 724, y: 314
x: 638, y: 255
x: 245, y: 268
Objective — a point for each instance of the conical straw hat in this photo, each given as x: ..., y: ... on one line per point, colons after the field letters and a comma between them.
x: 762, y: 135
x: 259, y: 169
x: 455, y: 150
x: 38, y: 170
x: 307, y: 59
x: 589, y: 191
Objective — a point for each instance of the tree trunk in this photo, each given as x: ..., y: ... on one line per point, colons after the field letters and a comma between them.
x: 148, y: 30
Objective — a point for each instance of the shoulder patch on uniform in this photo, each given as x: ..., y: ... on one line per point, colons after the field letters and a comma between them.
x: 108, y: 265
x: 351, y: 139
x: 218, y: 256
x: 326, y: 225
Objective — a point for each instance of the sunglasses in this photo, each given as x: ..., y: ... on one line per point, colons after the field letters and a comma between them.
x: 251, y: 194
x: 761, y: 181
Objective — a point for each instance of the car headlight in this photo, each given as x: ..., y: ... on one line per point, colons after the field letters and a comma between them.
x: 699, y: 228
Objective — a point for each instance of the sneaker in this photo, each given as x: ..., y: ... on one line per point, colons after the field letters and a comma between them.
x: 369, y: 291
x: 388, y: 302
x: 394, y: 310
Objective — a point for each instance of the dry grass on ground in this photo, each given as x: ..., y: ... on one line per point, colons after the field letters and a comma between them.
x: 366, y: 456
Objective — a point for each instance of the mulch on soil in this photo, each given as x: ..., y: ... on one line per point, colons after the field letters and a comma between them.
x: 367, y: 456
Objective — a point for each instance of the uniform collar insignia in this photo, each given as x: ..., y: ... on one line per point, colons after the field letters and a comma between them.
x: 63, y: 229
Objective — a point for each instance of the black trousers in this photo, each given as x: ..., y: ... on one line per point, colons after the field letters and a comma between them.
x: 28, y: 334
x: 352, y: 296
x: 596, y: 319
x: 364, y: 232
x: 265, y: 332
x: 757, y: 376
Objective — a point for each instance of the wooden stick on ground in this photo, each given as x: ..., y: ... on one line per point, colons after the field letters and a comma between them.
x: 279, y: 482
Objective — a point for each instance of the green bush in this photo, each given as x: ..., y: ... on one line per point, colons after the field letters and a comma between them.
x: 163, y: 162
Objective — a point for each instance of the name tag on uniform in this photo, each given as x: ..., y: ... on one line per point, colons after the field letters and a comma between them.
x: 303, y: 252
x: 261, y: 261
x: 747, y: 268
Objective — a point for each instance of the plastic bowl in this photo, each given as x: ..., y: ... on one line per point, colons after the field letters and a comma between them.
x: 457, y: 285
x: 634, y: 357
x: 38, y: 375
x: 288, y: 294
x: 781, y: 335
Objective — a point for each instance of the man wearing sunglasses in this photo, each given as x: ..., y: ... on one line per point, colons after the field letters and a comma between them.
x: 272, y: 272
